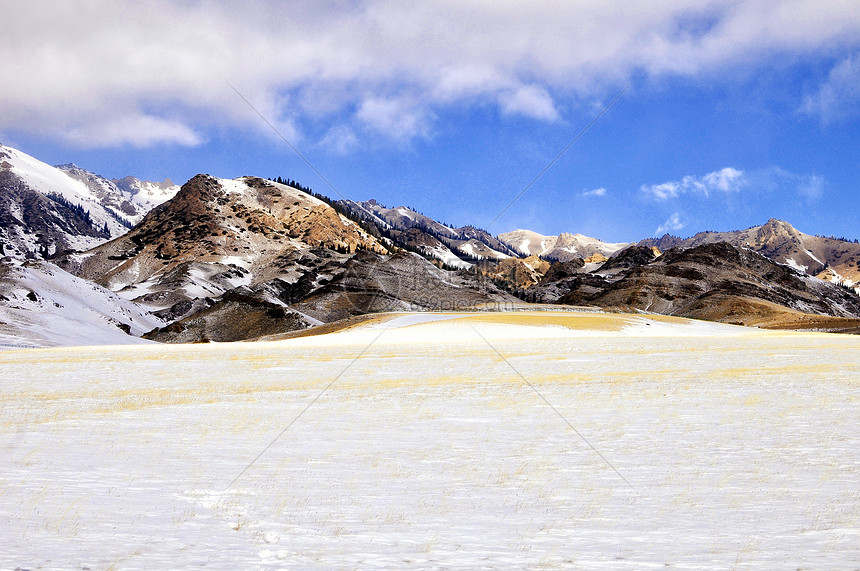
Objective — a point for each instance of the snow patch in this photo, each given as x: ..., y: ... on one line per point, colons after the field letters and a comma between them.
x: 791, y: 262
x: 442, y: 455
x: 233, y: 186
x: 811, y: 255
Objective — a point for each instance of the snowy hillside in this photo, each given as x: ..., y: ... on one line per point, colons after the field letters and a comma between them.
x: 219, y: 234
x: 45, y: 210
x: 128, y: 198
x: 563, y: 247
x: 146, y: 195
x: 48, y: 180
x: 456, y: 247
x: 506, y: 441
x: 43, y: 305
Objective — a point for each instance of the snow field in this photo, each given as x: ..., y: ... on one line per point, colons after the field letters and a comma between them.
x: 741, y: 450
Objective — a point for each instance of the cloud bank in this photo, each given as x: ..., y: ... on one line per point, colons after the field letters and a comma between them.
x: 104, y: 74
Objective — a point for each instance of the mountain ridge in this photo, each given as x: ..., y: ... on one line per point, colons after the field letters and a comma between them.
x: 782, y: 242
x: 232, y: 259
x: 561, y: 248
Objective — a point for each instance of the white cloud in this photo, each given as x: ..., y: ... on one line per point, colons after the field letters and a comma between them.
x: 673, y: 224
x: 134, y: 131
x: 531, y: 101
x: 839, y: 96
x: 340, y: 139
x: 725, y: 180
x: 68, y: 62
x: 399, y: 119
x: 811, y: 187
x: 596, y: 192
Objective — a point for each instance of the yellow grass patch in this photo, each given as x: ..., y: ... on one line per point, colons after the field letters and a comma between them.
x: 572, y: 320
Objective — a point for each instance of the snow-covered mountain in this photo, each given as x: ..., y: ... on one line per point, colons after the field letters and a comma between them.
x: 562, y: 248
x: 225, y: 260
x: 145, y: 195
x: 219, y: 234
x: 128, y: 198
x: 455, y: 247
x: 229, y: 259
x: 42, y: 305
x: 44, y: 211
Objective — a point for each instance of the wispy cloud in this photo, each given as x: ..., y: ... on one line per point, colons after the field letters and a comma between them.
x: 839, y: 96
x: 531, y: 101
x: 83, y: 67
x: 340, y: 139
x: 808, y: 187
x: 725, y: 180
x: 132, y: 130
x: 673, y: 224
x: 400, y: 119
x: 596, y: 192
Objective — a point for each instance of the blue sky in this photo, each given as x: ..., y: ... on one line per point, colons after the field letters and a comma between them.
x: 736, y: 111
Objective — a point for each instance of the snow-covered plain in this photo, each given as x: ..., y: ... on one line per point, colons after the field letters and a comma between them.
x: 419, y: 441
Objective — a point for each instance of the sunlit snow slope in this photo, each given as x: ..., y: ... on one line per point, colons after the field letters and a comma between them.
x: 30, y: 225
x: 438, y: 441
x: 42, y: 305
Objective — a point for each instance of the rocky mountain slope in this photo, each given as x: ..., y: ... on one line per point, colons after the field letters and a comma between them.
x: 713, y: 281
x: 833, y: 259
x: 371, y: 283
x: 231, y: 259
x: 216, y: 235
x: 226, y: 260
x: 518, y: 273
x: 235, y: 316
x: 561, y: 248
x: 455, y: 247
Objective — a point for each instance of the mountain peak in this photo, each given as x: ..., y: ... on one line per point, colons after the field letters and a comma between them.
x: 216, y: 234
x: 776, y: 222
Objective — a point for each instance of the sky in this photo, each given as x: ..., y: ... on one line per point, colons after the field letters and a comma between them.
x: 709, y: 115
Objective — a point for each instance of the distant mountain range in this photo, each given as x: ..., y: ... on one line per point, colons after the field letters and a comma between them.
x: 455, y: 247
x: 832, y: 259
x: 47, y: 210
x: 128, y: 198
x: 91, y: 260
x: 562, y: 248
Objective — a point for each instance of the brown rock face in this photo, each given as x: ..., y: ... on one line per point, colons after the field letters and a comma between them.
x: 233, y: 318
x: 595, y: 259
x: 519, y: 273
x: 247, y: 227
x: 781, y: 242
x: 711, y: 281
